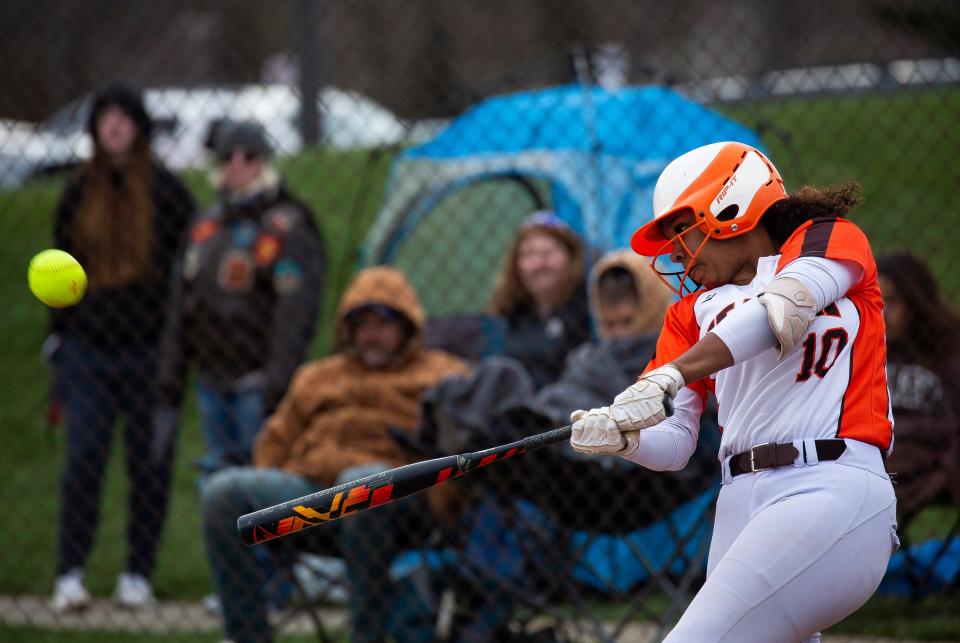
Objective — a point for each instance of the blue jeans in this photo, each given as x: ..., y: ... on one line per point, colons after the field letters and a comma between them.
x: 230, y: 422
x: 368, y: 541
x: 237, y: 573
x: 97, y: 387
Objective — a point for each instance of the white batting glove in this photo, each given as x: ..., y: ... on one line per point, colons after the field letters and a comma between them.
x: 615, y: 428
x: 642, y: 404
x: 594, y: 432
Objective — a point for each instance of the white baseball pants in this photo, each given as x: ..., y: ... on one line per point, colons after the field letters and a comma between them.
x: 794, y: 550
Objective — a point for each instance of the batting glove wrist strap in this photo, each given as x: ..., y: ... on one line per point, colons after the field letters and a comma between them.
x: 667, y: 377
x: 642, y: 404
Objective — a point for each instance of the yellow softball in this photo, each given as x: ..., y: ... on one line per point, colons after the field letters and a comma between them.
x: 56, y: 278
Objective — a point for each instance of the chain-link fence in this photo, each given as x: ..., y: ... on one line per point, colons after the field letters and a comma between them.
x: 224, y: 170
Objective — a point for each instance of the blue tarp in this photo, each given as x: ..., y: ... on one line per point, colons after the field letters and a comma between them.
x: 935, y: 562
x: 600, y: 151
x: 649, y: 123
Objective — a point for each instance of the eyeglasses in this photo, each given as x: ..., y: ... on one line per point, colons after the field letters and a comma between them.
x: 246, y: 155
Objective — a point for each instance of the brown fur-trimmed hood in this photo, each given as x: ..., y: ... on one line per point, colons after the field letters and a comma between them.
x: 384, y: 286
x: 654, y: 296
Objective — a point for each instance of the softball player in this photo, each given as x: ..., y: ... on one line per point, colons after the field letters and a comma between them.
x: 788, y: 333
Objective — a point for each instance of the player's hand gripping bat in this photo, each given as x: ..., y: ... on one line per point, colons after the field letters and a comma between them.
x: 380, y: 488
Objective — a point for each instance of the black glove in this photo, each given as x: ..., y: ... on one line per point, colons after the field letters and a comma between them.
x: 54, y: 412
x: 50, y: 348
x: 163, y: 430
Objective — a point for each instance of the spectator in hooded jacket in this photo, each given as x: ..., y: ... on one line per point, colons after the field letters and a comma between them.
x: 628, y: 304
x: 246, y: 300
x: 333, y: 426
x: 122, y: 215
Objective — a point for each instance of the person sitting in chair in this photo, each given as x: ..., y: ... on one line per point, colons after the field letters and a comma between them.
x: 333, y: 426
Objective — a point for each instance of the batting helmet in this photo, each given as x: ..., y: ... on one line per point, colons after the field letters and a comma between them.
x: 728, y: 186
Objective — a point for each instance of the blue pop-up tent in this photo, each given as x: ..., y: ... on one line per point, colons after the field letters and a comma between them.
x: 591, y: 154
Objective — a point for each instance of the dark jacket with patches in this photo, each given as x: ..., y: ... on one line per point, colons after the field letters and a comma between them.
x: 246, y: 296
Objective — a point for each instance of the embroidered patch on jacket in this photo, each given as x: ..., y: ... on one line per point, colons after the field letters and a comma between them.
x: 282, y: 219
x: 265, y: 249
x: 203, y: 230
x: 236, y: 271
x: 244, y: 234
x: 287, y: 276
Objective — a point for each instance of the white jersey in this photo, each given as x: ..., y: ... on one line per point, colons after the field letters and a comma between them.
x: 832, y: 385
x: 765, y: 399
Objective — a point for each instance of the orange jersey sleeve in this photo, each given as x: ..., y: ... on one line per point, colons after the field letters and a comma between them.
x: 680, y: 332
x: 832, y: 238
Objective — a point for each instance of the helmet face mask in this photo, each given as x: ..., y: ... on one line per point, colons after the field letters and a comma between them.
x: 682, y: 277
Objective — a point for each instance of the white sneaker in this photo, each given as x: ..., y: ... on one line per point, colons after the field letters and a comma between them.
x: 69, y: 592
x: 211, y: 603
x: 322, y: 577
x: 133, y: 590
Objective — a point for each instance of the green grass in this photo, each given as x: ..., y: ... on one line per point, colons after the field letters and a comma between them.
x: 934, y: 618
x: 900, y: 147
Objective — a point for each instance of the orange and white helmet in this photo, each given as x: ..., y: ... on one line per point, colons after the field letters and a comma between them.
x: 728, y: 186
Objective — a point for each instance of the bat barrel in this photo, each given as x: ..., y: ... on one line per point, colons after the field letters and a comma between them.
x: 345, y: 499
x: 377, y: 489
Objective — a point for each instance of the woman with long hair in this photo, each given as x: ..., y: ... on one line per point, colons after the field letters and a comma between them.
x: 541, y: 294
x: 122, y: 215
x: 784, y: 323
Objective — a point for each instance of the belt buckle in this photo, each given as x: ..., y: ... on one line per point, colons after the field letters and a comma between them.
x: 753, y: 462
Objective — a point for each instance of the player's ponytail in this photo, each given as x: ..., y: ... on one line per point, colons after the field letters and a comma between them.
x: 807, y: 203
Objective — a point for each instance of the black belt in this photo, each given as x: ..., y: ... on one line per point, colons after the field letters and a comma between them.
x: 772, y: 455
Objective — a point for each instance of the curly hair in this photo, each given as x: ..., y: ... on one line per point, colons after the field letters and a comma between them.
x: 784, y: 217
